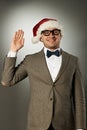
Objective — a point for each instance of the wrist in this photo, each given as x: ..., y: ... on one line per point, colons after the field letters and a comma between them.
x: 13, y: 50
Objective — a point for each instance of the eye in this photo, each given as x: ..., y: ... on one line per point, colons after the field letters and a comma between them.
x: 45, y: 32
x: 56, y: 31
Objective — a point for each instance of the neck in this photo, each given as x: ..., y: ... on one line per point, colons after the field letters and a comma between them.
x: 52, y: 49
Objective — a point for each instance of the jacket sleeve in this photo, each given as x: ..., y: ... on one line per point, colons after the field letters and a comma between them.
x: 80, y: 104
x: 11, y: 74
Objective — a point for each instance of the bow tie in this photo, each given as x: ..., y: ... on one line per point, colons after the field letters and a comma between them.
x: 50, y: 53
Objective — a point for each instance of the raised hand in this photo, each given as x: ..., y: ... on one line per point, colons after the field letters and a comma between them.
x: 17, y: 41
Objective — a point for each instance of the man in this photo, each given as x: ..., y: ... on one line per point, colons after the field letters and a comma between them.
x: 57, y: 100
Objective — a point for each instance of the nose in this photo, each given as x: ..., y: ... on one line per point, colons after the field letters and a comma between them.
x: 52, y: 34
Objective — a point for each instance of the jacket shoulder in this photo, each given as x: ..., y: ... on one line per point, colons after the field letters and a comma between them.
x: 34, y: 56
x: 71, y: 56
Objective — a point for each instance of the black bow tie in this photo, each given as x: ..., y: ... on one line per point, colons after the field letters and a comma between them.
x: 50, y: 53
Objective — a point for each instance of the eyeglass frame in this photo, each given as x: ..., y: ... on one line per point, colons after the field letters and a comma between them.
x: 51, y: 31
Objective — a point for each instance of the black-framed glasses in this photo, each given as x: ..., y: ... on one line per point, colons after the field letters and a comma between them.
x: 48, y: 32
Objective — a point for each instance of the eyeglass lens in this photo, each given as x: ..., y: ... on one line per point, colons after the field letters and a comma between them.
x: 48, y: 32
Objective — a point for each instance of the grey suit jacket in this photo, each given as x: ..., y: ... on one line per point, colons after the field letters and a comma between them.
x: 61, y: 102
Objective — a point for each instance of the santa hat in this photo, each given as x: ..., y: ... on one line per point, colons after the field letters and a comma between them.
x: 43, y: 25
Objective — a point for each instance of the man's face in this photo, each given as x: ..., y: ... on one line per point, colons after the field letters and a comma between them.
x: 51, y: 38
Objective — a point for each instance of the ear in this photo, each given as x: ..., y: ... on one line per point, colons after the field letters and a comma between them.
x: 41, y: 39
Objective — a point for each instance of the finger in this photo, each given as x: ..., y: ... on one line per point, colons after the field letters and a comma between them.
x: 23, y: 41
x: 15, y: 35
x: 20, y: 34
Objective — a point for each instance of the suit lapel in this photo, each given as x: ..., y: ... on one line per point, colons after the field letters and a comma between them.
x: 46, y: 74
x: 65, y: 60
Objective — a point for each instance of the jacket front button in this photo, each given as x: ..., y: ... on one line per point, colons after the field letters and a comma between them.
x: 51, y: 99
x: 53, y: 85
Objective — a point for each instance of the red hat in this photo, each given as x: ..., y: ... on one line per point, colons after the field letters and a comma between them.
x: 42, y: 25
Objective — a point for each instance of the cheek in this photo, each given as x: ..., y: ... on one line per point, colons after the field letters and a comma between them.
x: 43, y: 39
x: 58, y: 38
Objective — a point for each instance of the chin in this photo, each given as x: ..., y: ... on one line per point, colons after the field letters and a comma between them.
x: 53, y: 47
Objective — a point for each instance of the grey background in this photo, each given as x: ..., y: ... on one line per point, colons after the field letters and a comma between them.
x: 25, y: 14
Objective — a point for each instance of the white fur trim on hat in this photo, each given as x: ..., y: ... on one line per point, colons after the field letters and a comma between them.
x: 36, y: 39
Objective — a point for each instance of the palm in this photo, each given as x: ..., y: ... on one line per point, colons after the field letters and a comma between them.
x: 17, y: 41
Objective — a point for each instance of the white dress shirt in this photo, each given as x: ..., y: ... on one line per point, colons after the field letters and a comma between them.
x: 53, y: 63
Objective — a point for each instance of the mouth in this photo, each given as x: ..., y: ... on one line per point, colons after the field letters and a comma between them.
x: 51, y: 40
